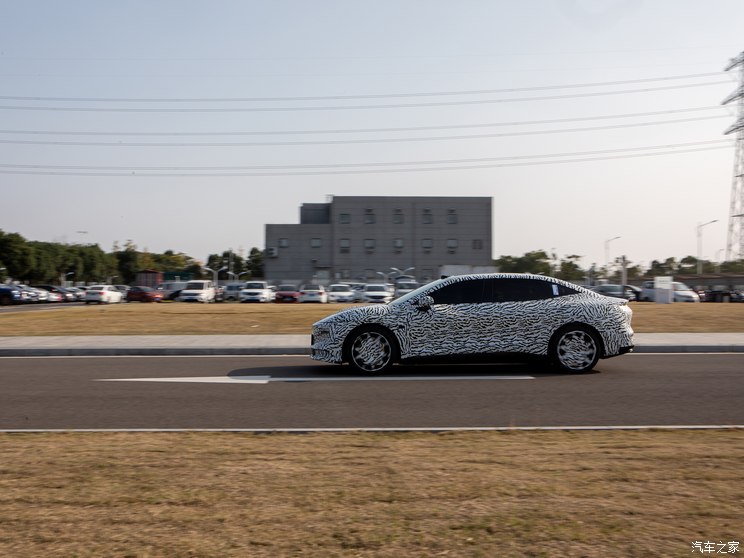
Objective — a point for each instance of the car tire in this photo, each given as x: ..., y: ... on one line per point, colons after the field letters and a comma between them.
x: 575, y: 349
x: 371, y: 350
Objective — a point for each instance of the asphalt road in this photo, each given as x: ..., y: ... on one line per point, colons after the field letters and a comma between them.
x: 294, y: 392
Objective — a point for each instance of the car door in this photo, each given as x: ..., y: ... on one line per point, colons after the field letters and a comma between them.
x: 518, y: 314
x: 448, y: 327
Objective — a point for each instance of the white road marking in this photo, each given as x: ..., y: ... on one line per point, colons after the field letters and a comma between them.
x: 267, y: 379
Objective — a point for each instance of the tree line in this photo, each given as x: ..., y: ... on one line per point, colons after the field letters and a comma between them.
x: 50, y: 262
x: 568, y: 267
x: 37, y: 262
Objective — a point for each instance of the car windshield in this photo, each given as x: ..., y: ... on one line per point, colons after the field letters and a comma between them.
x: 375, y: 288
x: 311, y: 288
x: 418, y: 292
x: 286, y: 288
x: 407, y: 286
x: 680, y: 287
x: 195, y: 286
x: 340, y: 288
x: 254, y: 285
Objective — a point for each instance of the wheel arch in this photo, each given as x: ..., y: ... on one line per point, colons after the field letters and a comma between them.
x: 582, y: 325
x: 346, y: 347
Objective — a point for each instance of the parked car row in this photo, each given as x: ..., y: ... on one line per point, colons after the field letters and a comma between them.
x: 262, y: 291
x: 29, y: 294
x: 680, y: 293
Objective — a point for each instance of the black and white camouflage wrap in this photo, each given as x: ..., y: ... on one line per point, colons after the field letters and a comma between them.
x: 475, y: 329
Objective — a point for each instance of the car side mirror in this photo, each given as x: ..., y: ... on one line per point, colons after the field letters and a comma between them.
x: 423, y: 303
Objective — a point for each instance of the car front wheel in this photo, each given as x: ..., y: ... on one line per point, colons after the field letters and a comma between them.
x: 575, y: 349
x: 371, y: 351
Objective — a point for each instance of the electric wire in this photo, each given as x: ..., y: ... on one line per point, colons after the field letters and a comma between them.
x: 355, y: 141
x: 350, y: 97
x: 356, y: 107
x: 364, y: 130
x: 350, y: 168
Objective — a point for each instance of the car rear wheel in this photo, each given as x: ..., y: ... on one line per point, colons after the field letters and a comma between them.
x: 575, y: 349
x: 371, y: 351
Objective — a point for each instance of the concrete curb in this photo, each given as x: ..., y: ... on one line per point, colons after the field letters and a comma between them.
x: 268, y: 351
x: 261, y: 344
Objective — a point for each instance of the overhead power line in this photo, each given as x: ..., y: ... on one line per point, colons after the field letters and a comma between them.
x: 358, y: 168
x: 362, y: 130
x: 355, y: 141
x: 347, y: 97
x: 357, y: 107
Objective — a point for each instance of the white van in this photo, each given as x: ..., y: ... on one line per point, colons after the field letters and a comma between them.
x: 198, y: 291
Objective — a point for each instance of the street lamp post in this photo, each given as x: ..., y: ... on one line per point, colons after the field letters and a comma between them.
x: 700, y: 245
x: 404, y: 272
x: 607, y: 254
x: 215, y: 273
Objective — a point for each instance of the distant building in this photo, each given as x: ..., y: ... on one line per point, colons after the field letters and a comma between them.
x: 359, y: 238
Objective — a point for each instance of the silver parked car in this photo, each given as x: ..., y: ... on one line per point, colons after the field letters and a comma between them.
x: 479, y: 316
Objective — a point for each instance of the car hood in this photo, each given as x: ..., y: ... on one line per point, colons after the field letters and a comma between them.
x: 359, y: 315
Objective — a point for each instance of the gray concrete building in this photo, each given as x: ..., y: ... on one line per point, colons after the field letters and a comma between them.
x: 356, y: 238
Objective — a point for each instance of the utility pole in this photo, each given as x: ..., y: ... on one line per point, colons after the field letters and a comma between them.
x: 735, y: 237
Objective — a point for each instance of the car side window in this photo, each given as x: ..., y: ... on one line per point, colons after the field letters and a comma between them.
x: 517, y: 290
x: 471, y: 291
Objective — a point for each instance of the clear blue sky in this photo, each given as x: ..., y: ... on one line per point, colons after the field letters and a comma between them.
x: 162, y: 73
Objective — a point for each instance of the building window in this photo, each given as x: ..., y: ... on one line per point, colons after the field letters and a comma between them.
x: 369, y: 243
x: 283, y: 243
x: 369, y: 217
x: 451, y: 245
x: 316, y: 243
x: 426, y: 217
x: 398, y: 217
x: 344, y: 218
x: 427, y: 243
x: 477, y: 244
x: 398, y: 243
x: 344, y: 245
x: 451, y: 217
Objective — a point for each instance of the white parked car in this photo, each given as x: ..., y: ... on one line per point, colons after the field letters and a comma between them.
x: 479, y: 317
x: 102, y: 294
x: 256, y: 291
x: 198, y: 291
x: 313, y: 293
x: 377, y: 292
x: 341, y: 292
x: 681, y: 292
x: 404, y: 287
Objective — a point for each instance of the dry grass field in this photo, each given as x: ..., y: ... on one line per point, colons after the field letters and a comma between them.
x: 466, y: 494
x: 479, y: 494
x: 204, y: 319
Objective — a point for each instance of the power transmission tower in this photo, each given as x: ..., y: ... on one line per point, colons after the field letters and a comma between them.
x: 735, y: 239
